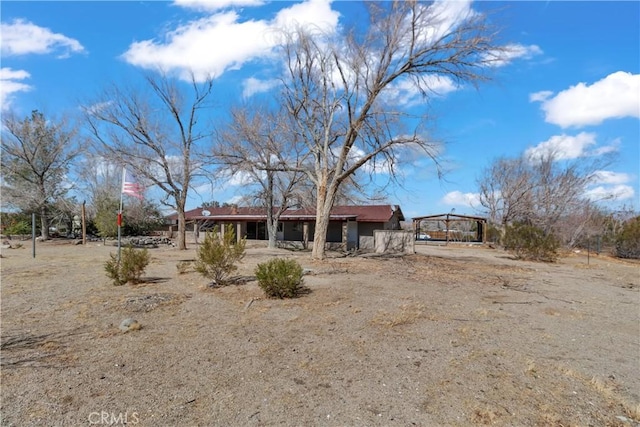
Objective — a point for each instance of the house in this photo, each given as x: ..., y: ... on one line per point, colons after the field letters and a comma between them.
x: 349, y: 226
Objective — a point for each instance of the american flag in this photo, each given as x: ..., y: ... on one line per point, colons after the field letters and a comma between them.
x: 130, y: 185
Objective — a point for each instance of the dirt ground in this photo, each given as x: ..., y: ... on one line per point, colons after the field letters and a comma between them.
x: 449, y: 336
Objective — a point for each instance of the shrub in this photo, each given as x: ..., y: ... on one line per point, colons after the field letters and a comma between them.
x: 18, y: 228
x: 183, y: 267
x: 628, y: 240
x: 492, y: 233
x: 280, y: 278
x: 530, y: 243
x: 131, y: 267
x: 217, y: 257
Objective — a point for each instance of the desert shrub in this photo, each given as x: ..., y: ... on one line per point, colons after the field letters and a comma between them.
x: 183, y: 267
x: 531, y: 243
x: 217, y: 256
x: 130, y: 268
x: 280, y: 278
x: 628, y: 240
x: 18, y: 228
x: 493, y: 233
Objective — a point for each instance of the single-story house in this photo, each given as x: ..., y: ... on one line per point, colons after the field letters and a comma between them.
x: 349, y: 226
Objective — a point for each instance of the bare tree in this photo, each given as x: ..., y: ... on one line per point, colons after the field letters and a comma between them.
x: 156, y: 133
x: 257, y: 145
x: 544, y: 190
x: 339, y: 90
x: 37, y: 153
x: 505, y: 190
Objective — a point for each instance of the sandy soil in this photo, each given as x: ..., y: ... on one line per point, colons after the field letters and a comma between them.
x: 450, y: 336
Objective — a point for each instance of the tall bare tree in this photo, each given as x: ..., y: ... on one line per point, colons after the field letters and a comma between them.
x: 505, y: 190
x: 37, y: 152
x: 156, y: 132
x: 544, y: 190
x: 339, y: 89
x: 257, y: 145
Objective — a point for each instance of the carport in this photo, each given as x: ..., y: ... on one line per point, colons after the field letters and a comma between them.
x: 451, y: 227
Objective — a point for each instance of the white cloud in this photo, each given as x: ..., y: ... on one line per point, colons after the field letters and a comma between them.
x: 540, y: 96
x: 616, y: 192
x: 251, y: 86
x: 21, y: 37
x: 235, y: 200
x: 563, y: 146
x: 220, y: 42
x: 405, y: 93
x: 609, y: 177
x: 213, y: 5
x: 458, y: 198
x: 9, y: 85
x: 443, y: 17
x: 500, y: 58
x: 615, y: 96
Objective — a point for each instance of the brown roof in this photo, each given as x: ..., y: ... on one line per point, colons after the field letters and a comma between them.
x: 362, y: 213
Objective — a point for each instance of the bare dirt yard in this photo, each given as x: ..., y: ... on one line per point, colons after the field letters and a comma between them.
x: 449, y: 336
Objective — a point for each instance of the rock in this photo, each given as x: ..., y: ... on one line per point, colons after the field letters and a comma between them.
x: 130, y: 325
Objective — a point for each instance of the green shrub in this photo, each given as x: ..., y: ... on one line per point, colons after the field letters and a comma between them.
x: 493, y: 233
x: 18, y: 228
x: 131, y: 267
x: 628, y: 240
x: 217, y: 257
x: 530, y: 243
x: 280, y: 278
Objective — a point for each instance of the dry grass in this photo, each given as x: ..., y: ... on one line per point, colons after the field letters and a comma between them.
x: 406, y: 315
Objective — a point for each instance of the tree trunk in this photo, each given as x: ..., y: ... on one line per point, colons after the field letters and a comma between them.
x: 182, y: 230
x: 44, y: 223
x: 323, y: 212
x: 272, y: 229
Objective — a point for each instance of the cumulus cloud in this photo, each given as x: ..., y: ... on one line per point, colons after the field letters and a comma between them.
x: 458, y: 198
x: 615, y: 96
x: 405, y: 93
x: 609, y: 177
x: 540, y: 96
x: 10, y: 84
x: 618, y: 192
x: 443, y: 17
x: 566, y: 147
x: 213, y: 5
x: 22, y: 37
x: 508, y: 53
x: 251, y: 86
x: 220, y: 42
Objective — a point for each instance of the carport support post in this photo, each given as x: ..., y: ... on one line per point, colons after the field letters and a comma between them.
x: 239, y: 232
x: 195, y: 232
x: 446, y: 224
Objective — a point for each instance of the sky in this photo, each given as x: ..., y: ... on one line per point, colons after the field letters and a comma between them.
x: 571, y: 81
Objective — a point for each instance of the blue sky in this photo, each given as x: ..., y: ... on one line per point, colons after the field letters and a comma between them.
x: 572, y: 81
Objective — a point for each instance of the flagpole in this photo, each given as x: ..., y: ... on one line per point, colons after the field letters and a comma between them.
x: 120, y: 212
